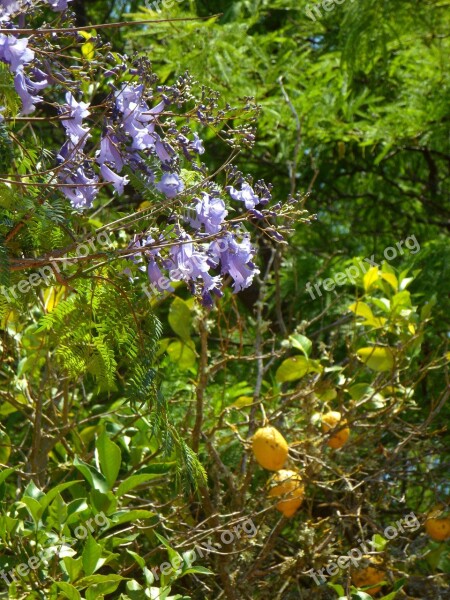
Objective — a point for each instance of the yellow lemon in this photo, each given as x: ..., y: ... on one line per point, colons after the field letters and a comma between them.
x: 371, y: 575
x: 269, y: 448
x: 331, y: 420
x: 289, y: 485
x: 437, y: 526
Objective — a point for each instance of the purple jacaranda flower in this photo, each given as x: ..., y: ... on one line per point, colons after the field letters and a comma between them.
x: 163, y: 149
x: 8, y: 7
x: 197, y: 144
x: 207, y: 299
x: 263, y: 191
x: 129, y: 94
x: 109, y: 152
x: 66, y: 153
x: 274, y: 234
x: 84, y: 190
x: 181, y: 267
x: 189, y: 264
x: 58, y: 5
x: 137, y: 258
x: 209, y: 212
x: 156, y: 110
x: 72, y: 124
x: 149, y: 241
x: 170, y: 185
x: 117, y: 181
x: 14, y: 51
x: 142, y: 136
x: 40, y: 79
x: 156, y: 277
x: 23, y: 87
x: 137, y: 118
x: 256, y: 213
x: 246, y: 195
x: 235, y: 259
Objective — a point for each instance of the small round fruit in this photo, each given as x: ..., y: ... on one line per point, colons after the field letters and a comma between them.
x: 371, y: 575
x: 289, y: 485
x: 331, y: 420
x: 270, y: 448
x: 437, y: 526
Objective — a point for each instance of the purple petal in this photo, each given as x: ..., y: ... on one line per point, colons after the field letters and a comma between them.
x: 170, y: 185
x: 109, y: 153
x: 117, y: 181
x: 58, y: 5
x: 157, y: 278
x: 197, y: 144
x: 210, y: 212
x: 14, y: 51
x: 246, y: 195
x: 28, y: 100
x: 235, y: 259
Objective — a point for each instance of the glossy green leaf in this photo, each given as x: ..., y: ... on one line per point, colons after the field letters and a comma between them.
x: 302, y: 343
x: 92, y: 476
x: 127, y: 516
x: 69, y: 591
x: 73, y: 566
x: 134, y: 481
x: 110, y: 458
x: 182, y: 354
x: 295, y: 368
x: 180, y: 318
x: 92, y: 552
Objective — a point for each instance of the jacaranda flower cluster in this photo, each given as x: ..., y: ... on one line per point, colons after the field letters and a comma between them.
x: 135, y: 132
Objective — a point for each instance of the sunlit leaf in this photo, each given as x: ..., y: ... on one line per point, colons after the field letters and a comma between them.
x: 378, y: 358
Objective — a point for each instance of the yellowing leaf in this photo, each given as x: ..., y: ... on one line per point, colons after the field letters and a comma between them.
x: 87, y: 34
x: 361, y: 309
x: 52, y: 296
x: 391, y: 279
x: 145, y: 204
x: 243, y: 401
x: 379, y: 321
x: 370, y: 278
x: 88, y: 50
x: 378, y: 358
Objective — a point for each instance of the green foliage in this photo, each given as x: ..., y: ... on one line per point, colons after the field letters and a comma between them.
x: 135, y: 414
